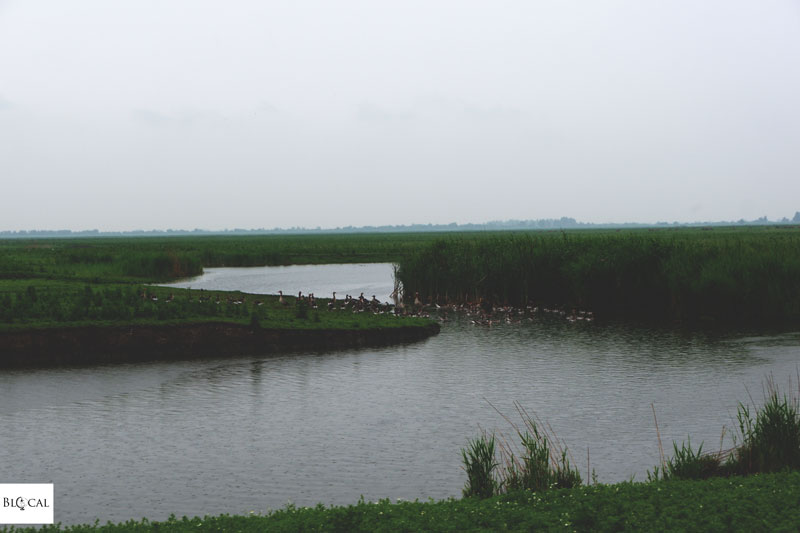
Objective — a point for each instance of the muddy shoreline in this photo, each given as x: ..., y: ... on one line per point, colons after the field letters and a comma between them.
x: 110, y: 344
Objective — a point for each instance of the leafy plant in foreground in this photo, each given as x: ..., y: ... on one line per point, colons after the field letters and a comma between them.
x: 539, y: 463
x: 479, y: 463
x: 771, y: 440
x: 689, y: 464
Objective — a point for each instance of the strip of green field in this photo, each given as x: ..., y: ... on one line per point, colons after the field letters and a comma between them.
x: 720, y: 275
x: 99, y: 281
x: 767, y: 502
x: 37, y: 303
x: 151, y: 259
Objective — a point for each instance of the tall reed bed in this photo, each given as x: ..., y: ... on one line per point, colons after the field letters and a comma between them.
x: 740, y: 276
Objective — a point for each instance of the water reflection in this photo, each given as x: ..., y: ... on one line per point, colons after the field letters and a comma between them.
x: 251, y: 433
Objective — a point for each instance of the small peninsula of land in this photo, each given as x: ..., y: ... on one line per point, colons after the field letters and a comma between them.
x: 65, y: 301
x: 76, y: 323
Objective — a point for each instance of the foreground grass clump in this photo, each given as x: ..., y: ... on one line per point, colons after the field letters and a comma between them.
x: 766, y: 502
x: 538, y: 463
x: 768, y: 441
x: 771, y: 440
x: 724, y: 275
x: 688, y: 463
x: 479, y: 464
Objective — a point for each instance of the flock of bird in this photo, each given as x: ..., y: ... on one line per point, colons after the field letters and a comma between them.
x: 359, y: 304
x: 481, y: 313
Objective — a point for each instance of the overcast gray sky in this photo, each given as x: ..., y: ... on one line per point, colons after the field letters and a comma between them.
x: 122, y: 115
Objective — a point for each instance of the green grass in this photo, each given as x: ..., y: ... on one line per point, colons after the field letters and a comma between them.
x: 540, y: 462
x: 738, y: 276
x: 152, y: 259
x: 100, y: 281
x: 723, y: 276
x: 479, y: 463
x: 688, y: 463
x: 695, y: 275
x: 767, y: 502
x: 28, y: 304
x: 770, y: 440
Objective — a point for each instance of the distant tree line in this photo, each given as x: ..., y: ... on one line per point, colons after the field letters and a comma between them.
x: 494, y: 225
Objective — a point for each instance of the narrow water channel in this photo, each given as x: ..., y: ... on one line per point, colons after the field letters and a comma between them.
x: 254, y: 433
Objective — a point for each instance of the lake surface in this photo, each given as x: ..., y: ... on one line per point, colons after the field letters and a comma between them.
x: 254, y: 433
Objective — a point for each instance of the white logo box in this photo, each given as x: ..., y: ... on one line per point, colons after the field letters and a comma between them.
x: 26, y: 503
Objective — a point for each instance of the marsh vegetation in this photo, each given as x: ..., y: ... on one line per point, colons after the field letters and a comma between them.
x: 720, y: 276
x: 690, y: 275
x: 56, y: 282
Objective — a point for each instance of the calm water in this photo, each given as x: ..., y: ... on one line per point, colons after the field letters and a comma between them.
x: 321, y: 280
x: 253, y: 433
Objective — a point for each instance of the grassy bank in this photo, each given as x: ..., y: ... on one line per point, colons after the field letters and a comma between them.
x: 47, y: 283
x: 720, y: 275
x: 59, y: 303
x: 767, y: 502
x: 55, y: 322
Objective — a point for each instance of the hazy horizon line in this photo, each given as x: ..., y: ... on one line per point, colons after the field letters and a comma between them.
x: 545, y: 223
